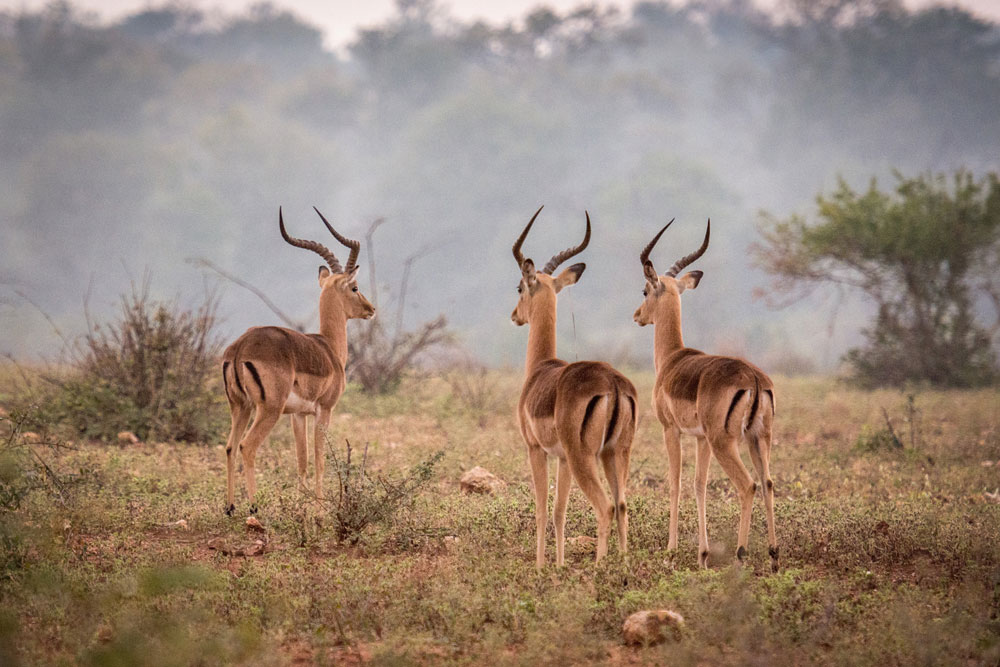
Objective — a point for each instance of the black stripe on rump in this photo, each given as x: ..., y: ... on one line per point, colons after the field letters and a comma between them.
x: 256, y: 378
x: 732, y: 406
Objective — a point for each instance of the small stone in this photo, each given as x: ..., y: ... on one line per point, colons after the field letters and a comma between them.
x: 582, y: 542
x: 992, y: 497
x: 645, y: 628
x: 104, y: 633
x: 254, y: 525
x: 986, y: 464
x: 480, y: 480
x: 31, y: 437
x: 128, y: 438
x: 180, y: 523
x: 255, y: 549
x: 218, y: 544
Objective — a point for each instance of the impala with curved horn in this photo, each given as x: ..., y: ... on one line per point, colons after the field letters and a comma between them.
x: 280, y: 371
x: 581, y: 413
x: 719, y: 400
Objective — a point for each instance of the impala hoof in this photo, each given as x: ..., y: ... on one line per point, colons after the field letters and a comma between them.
x: 253, y: 509
x: 741, y: 554
x: 703, y: 559
x: 773, y: 551
x: 230, y: 510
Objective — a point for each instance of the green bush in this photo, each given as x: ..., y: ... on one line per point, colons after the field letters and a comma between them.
x: 147, y: 372
x: 363, y: 500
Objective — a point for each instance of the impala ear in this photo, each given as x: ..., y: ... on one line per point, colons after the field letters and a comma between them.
x: 324, y: 273
x: 650, y: 272
x: 569, y: 276
x: 689, y: 280
x: 528, y: 272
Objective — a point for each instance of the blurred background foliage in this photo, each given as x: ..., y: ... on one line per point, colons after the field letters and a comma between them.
x: 175, y: 133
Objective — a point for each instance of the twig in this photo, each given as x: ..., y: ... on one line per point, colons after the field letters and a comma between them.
x: 895, y: 439
x: 204, y: 263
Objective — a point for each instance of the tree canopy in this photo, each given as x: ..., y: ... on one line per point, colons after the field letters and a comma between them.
x: 924, y: 254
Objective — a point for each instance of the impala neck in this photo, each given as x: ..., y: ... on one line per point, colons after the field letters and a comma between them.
x: 333, y: 327
x: 667, y: 336
x: 541, y: 334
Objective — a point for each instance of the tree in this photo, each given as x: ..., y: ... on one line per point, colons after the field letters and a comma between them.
x: 926, y: 255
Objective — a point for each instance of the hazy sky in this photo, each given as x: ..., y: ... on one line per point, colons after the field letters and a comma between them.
x: 340, y: 18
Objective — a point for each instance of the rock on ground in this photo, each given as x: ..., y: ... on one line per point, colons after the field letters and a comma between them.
x: 128, y: 438
x: 481, y: 480
x: 645, y: 628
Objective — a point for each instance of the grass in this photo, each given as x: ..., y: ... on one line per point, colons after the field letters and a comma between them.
x: 889, y: 555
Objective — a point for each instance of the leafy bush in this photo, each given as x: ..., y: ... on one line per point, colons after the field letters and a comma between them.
x: 147, y: 373
x: 363, y: 500
x: 925, y: 255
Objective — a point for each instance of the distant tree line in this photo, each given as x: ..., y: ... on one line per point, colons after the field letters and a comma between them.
x: 175, y: 133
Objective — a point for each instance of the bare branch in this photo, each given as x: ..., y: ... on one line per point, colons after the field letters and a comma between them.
x: 206, y: 264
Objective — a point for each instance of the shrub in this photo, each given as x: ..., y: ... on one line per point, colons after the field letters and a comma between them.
x: 363, y: 500
x: 147, y: 372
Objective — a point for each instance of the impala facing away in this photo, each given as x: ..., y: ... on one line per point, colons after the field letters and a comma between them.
x: 719, y: 400
x: 281, y: 371
x: 580, y: 413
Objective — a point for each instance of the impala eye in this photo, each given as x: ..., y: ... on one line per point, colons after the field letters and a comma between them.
x: 354, y: 289
x: 645, y: 292
x: 519, y: 289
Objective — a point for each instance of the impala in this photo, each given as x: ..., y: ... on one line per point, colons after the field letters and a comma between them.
x: 581, y: 413
x: 719, y: 400
x: 271, y: 371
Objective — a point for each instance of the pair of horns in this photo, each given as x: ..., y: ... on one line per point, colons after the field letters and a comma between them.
x: 321, y: 249
x: 558, y: 258
x: 683, y: 261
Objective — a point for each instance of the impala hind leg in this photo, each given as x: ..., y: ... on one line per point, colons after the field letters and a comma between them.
x: 760, y: 454
x: 563, y: 479
x: 540, y: 481
x: 301, y: 455
x: 728, y: 454
x: 615, y: 460
x: 263, y: 423
x: 240, y: 416
x: 584, y: 467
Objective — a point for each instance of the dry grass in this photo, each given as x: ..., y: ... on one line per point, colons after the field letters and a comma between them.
x: 888, y: 556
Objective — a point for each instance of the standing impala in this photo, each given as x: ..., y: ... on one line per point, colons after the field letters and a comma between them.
x: 579, y: 413
x: 280, y: 371
x: 719, y: 400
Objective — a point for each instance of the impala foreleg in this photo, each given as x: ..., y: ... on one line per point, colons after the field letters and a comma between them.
x: 672, y: 442
x: 540, y: 481
x: 319, y: 446
x: 702, y: 458
x: 301, y: 455
x: 563, y: 480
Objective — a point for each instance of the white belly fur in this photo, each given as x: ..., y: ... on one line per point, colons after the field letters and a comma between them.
x: 295, y: 404
x: 545, y: 434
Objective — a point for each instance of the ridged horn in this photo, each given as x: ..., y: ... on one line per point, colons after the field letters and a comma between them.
x: 561, y: 257
x: 520, y: 239
x: 355, y: 246
x: 684, y: 261
x: 318, y: 248
x: 644, y: 255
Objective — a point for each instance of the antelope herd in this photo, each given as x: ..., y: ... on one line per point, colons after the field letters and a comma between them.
x: 583, y: 414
